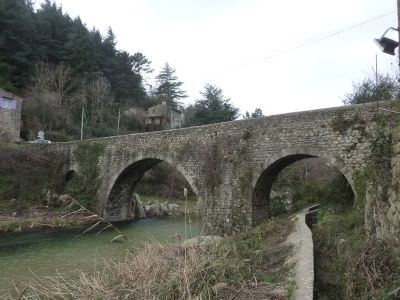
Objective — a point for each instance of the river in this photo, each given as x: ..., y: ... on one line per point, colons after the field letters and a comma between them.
x: 45, y: 254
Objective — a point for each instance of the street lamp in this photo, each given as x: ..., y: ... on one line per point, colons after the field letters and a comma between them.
x: 387, y: 45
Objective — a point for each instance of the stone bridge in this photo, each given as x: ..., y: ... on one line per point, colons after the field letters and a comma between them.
x: 231, y: 166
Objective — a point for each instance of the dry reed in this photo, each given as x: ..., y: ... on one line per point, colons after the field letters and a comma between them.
x: 246, y: 264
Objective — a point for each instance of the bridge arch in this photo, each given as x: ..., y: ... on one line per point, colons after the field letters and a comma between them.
x: 263, y: 181
x: 70, y: 175
x: 121, y: 186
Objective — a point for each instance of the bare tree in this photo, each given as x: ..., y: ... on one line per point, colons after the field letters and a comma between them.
x: 63, y: 81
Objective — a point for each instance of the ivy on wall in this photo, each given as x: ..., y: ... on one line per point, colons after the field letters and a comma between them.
x: 377, y: 175
x: 84, y: 187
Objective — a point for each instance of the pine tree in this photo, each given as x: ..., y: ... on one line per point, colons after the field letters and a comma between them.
x: 79, y: 49
x: 141, y: 64
x: 53, y: 27
x: 213, y: 107
x: 126, y: 84
x: 29, y: 38
x: 169, y: 88
x: 17, y: 39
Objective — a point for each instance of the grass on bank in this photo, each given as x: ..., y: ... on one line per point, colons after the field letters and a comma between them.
x: 245, y: 266
x: 56, y: 222
x: 348, y: 263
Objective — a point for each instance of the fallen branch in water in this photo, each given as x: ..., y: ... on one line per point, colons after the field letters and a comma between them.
x: 101, y: 220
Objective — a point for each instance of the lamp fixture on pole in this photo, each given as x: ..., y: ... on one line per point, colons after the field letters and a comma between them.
x: 387, y: 45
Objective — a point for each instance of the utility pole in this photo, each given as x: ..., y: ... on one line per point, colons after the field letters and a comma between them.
x: 398, y: 30
x: 119, y: 118
x: 376, y: 78
x: 83, y: 112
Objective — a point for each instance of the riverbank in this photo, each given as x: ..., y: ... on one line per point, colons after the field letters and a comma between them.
x: 46, y: 218
x: 250, y: 265
x: 41, y: 218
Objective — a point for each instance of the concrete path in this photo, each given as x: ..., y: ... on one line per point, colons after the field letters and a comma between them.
x: 303, y: 256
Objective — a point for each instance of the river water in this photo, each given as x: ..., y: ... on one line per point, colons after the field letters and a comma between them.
x: 45, y: 254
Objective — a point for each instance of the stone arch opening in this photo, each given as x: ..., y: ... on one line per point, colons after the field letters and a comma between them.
x: 261, y: 199
x: 69, y: 176
x: 120, y: 205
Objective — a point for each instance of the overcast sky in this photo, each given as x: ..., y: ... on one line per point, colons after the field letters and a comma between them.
x: 233, y: 44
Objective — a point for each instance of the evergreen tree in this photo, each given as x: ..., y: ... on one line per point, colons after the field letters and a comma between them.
x: 168, y: 86
x: 126, y: 84
x: 141, y: 64
x: 53, y: 28
x: 213, y: 107
x: 109, y: 44
x: 79, y: 49
x: 17, y: 40
x: 58, y: 64
x: 257, y: 113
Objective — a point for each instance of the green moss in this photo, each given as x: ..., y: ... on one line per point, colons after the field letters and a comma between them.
x: 360, y: 187
x: 290, y: 288
x: 85, y: 186
x: 377, y: 174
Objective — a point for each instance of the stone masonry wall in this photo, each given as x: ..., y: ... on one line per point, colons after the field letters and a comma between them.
x: 223, y: 162
x: 383, y: 211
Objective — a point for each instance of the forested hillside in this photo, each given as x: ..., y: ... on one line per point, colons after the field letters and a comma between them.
x: 52, y: 37
x: 61, y: 67
x: 64, y: 70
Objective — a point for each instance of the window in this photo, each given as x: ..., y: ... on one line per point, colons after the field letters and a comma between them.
x: 8, y: 103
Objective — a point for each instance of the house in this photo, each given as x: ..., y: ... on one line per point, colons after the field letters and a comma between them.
x: 166, y: 116
x: 10, y: 116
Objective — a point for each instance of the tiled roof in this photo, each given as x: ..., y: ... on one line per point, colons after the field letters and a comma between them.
x: 10, y: 95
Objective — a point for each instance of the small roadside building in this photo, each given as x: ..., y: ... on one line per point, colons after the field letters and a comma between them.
x: 167, y: 117
x: 10, y: 116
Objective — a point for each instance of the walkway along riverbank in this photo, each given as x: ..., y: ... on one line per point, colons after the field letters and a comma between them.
x: 303, y: 255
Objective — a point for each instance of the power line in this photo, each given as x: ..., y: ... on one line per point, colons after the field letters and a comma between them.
x: 305, y: 43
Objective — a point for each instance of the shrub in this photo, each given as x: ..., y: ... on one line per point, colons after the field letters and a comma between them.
x: 26, y: 171
x: 348, y: 264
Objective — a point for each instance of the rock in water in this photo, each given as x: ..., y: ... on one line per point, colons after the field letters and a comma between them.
x: 66, y: 199
x: 172, y: 207
x: 164, y: 208
x: 52, y: 198
x: 160, y: 209
x: 139, y: 209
